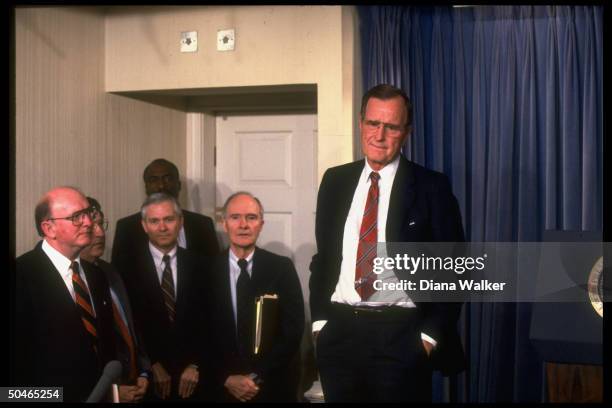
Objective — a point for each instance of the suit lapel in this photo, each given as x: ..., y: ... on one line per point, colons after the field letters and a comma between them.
x: 95, y: 289
x: 57, y: 291
x: 402, y: 198
x: 347, y: 191
x: 258, y: 271
x: 182, y: 281
x: 152, y: 286
x: 225, y: 293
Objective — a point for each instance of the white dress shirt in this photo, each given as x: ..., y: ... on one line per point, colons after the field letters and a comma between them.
x: 62, y: 265
x: 234, y: 271
x: 182, y: 238
x: 345, y: 291
x: 158, y: 260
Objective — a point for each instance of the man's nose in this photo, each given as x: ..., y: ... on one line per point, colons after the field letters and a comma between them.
x: 159, y: 185
x: 243, y: 222
x: 380, y: 132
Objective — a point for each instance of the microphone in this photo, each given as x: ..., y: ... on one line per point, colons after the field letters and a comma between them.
x: 111, y: 373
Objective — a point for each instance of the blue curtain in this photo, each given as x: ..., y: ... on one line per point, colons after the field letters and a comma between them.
x: 507, y: 103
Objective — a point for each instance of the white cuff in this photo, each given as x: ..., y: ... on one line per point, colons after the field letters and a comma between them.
x: 318, y: 325
x: 428, y: 339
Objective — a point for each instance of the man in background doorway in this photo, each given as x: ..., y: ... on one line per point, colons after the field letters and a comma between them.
x: 196, y: 234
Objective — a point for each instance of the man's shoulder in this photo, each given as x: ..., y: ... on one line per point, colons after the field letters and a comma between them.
x: 191, y: 216
x: 272, y: 258
x: 424, y: 176
x: 346, y: 168
x: 30, y: 258
x: 129, y: 220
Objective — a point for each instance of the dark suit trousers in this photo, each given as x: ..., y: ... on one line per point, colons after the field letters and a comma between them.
x: 373, y: 356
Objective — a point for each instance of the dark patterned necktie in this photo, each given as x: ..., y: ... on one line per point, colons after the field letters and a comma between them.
x: 368, y: 237
x: 167, y: 286
x: 245, y: 311
x: 84, y: 305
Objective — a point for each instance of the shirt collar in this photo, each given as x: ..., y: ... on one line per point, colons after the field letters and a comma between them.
x: 233, y: 258
x: 158, y: 256
x: 386, y: 173
x: 61, y: 263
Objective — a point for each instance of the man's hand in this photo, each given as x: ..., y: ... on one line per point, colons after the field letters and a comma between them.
x: 241, y: 387
x: 126, y: 393
x: 189, y: 380
x: 142, y: 383
x: 162, y: 381
x: 427, y: 346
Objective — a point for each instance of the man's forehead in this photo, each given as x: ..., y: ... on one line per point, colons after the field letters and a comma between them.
x: 163, y: 208
x: 159, y: 169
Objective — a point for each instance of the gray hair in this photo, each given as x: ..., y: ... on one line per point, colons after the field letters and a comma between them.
x: 157, y: 198
x: 239, y: 193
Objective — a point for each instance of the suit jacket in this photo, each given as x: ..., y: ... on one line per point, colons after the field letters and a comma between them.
x: 52, y: 347
x: 271, y: 274
x: 176, y: 345
x: 143, y: 364
x: 130, y: 237
x: 422, y: 208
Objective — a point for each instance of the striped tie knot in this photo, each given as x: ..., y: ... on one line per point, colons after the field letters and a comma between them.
x: 84, y: 305
x: 167, y: 286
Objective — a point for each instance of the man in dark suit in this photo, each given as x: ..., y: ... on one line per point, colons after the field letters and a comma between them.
x: 370, y: 348
x: 63, y: 319
x: 130, y: 351
x: 196, y: 234
x: 240, y: 274
x: 163, y: 282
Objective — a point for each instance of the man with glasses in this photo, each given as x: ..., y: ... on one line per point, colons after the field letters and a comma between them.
x: 64, y: 333
x: 372, y: 348
x: 130, y: 350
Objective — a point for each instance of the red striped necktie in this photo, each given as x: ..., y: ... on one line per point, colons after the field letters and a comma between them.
x: 167, y: 286
x: 368, y: 237
x: 127, y: 338
x: 84, y: 305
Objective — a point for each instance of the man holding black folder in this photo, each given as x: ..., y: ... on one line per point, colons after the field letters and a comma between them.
x: 241, y: 274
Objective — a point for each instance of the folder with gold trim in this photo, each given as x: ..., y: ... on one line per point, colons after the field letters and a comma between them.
x: 266, y: 322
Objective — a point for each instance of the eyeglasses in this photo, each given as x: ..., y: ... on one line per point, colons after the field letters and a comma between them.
x: 373, y: 125
x: 102, y: 224
x: 78, y: 217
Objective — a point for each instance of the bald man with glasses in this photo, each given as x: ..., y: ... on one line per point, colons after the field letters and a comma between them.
x: 63, y: 333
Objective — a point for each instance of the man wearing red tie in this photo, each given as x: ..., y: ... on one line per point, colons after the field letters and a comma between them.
x: 130, y: 351
x: 64, y: 332
x: 371, y: 347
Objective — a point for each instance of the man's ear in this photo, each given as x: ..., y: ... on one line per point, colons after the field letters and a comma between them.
x: 144, y: 225
x: 48, y: 229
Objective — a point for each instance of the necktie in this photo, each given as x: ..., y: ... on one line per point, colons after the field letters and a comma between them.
x: 245, y: 311
x: 83, y: 303
x: 124, y: 332
x: 368, y: 237
x: 167, y: 286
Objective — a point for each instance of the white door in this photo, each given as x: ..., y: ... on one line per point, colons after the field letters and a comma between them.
x: 274, y: 158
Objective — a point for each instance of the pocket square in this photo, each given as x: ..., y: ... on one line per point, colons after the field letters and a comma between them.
x: 411, y: 223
